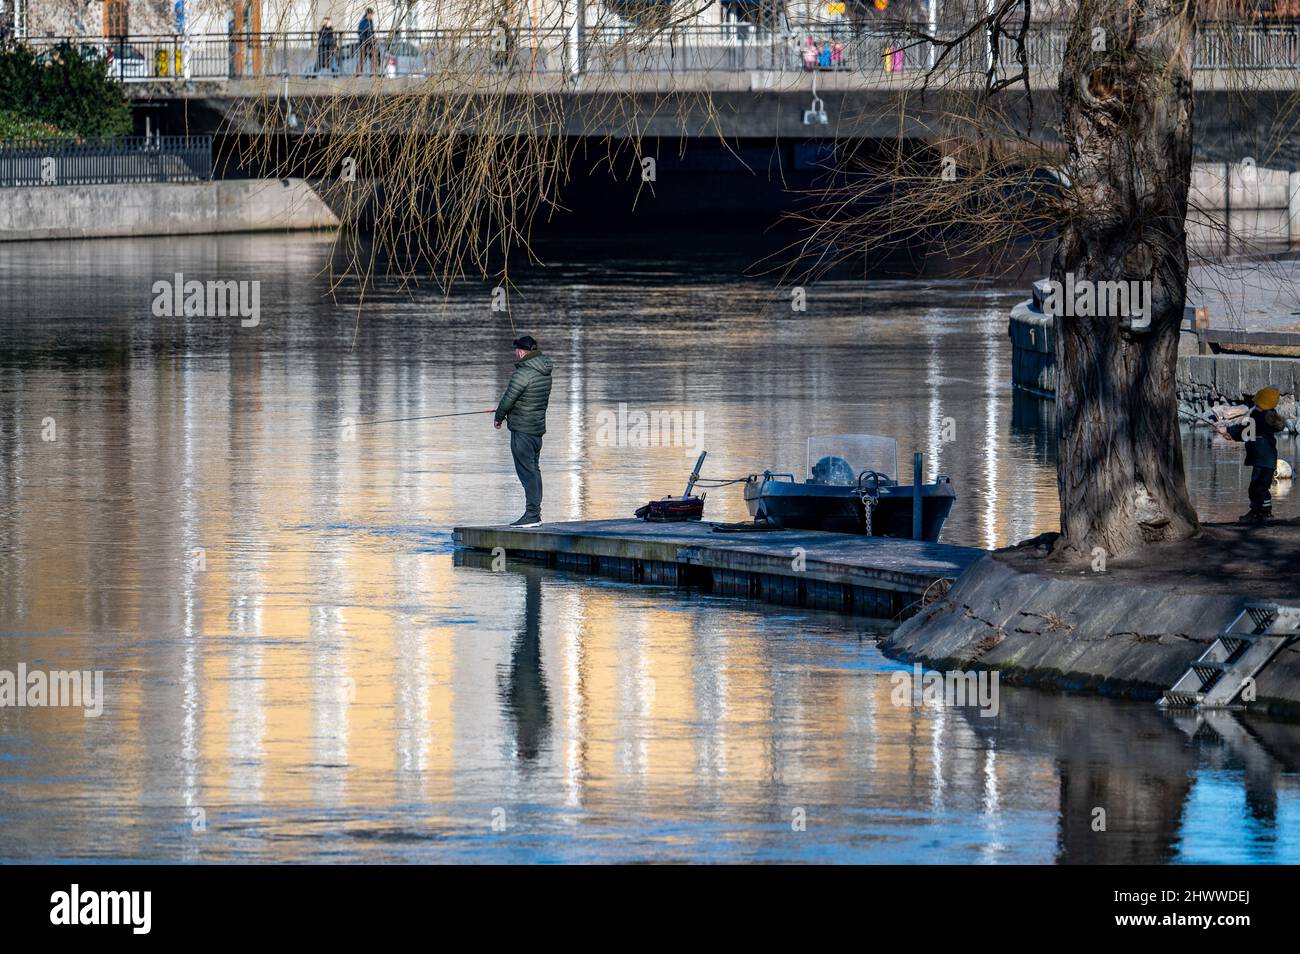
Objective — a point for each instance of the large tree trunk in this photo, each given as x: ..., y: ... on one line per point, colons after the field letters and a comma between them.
x: 1127, y: 114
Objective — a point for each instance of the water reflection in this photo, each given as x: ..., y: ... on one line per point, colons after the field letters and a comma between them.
x: 523, y: 691
x: 292, y: 656
x: 1033, y: 421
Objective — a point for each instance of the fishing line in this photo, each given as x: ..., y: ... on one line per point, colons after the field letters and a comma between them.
x: 427, y: 417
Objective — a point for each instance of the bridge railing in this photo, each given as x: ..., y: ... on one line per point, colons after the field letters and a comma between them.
x: 727, y: 48
x: 1250, y: 48
x: 105, y: 161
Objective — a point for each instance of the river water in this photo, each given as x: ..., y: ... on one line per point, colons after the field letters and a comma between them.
x: 294, y: 668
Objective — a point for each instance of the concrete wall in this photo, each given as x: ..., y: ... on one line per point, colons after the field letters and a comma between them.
x: 1244, y: 202
x: 1210, y: 379
x: 107, y: 211
x: 1086, y: 634
x: 1038, y: 628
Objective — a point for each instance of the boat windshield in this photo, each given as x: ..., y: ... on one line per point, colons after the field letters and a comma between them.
x: 840, y: 458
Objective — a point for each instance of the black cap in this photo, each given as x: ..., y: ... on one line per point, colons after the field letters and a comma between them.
x: 526, y: 342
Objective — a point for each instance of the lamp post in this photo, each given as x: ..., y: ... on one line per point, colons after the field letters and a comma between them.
x: 988, y: 37
x: 932, y: 9
x: 577, y: 37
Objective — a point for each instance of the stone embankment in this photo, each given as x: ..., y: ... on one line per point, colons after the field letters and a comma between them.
x: 161, y: 208
x: 1131, y: 630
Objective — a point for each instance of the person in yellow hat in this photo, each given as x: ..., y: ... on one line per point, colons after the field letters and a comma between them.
x: 1258, y: 431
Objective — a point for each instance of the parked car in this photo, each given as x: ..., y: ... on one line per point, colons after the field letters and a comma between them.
x: 396, y: 58
x: 119, y: 59
x: 87, y: 51
x: 126, y: 62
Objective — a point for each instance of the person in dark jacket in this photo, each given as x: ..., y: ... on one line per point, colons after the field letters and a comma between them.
x: 523, y: 408
x: 1259, y: 433
x: 326, y: 44
x: 367, y: 44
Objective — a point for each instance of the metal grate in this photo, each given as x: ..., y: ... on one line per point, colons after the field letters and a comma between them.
x: 107, y: 161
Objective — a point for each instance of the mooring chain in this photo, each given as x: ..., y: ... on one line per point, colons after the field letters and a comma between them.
x: 868, y: 505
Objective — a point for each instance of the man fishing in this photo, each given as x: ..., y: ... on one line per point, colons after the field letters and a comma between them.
x: 523, y: 408
x: 1259, y: 433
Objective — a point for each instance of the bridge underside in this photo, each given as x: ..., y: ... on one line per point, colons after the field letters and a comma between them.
x: 721, y: 155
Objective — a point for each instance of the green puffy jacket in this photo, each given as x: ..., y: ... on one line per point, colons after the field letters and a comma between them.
x: 523, y: 406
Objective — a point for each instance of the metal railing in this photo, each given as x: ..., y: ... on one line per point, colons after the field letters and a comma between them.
x: 686, y: 49
x: 106, y: 161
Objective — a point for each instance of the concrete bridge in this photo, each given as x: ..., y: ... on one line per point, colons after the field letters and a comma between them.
x: 748, y: 102
x: 697, y: 81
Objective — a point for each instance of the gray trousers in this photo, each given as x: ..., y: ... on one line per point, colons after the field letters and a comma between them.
x: 527, y: 451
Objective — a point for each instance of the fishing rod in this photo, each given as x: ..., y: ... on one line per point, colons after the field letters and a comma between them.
x: 1204, y: 417
x: 427, y: 417
x: 1200, y: 418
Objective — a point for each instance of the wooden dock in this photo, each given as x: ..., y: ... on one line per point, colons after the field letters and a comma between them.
x: 875, y: 576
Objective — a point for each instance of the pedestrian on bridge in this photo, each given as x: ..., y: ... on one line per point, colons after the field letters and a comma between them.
x: 326, y: 47
x: 367, y: 45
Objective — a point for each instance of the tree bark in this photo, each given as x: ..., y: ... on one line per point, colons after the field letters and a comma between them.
x: 1127, y: 120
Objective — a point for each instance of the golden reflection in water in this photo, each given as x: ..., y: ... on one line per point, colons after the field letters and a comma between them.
x: 307, y: 668
x: 290, y: 651
x: 304, y: 666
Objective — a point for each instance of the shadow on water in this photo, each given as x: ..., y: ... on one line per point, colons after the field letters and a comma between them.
x: 1033, y: 420
x: 1139, y: 785
x: 1122, y: 782
x: 523, y: 691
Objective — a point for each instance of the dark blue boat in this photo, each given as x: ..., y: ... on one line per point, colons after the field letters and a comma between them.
x: 852, y: 487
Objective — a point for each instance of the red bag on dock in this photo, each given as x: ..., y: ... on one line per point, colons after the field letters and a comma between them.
x: 672, y: 510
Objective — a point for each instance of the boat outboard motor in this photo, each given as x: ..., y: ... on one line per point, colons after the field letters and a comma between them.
x: 832, y: 470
